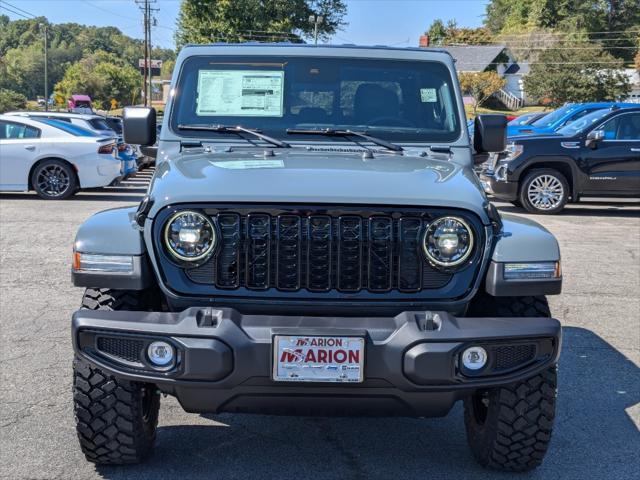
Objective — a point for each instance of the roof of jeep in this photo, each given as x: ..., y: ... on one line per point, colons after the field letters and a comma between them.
x: 302, y: 49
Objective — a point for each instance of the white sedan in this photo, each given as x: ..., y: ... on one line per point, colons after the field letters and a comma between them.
x: 54, y: 159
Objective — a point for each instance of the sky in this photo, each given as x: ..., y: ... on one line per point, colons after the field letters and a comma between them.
x: 370, y: 22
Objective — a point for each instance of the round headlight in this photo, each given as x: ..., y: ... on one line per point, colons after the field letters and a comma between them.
x: 448, y: 241
x: 189, y: 236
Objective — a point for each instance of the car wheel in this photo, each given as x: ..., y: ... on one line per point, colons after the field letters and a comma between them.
x: 54, y: 180
x: 544, y: 191
x: 509, y: 427
x: 116, y: 419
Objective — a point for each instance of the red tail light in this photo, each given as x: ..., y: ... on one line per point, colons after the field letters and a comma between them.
x: 122, y: 147
x: 106, y: 148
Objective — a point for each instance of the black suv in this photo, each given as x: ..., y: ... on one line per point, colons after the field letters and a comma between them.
x: 595, y: 156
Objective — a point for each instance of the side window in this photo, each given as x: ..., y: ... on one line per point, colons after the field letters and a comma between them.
x: 623, y: 127
x: 16, y: 131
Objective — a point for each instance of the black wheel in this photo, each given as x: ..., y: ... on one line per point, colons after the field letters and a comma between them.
x: 544, y: 191
x: 116, y: 419
x: 509, y: 427
x: 54, y: 180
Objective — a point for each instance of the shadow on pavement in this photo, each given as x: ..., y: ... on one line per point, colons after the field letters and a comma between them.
x: 594, y: 436
x: 590, y: 209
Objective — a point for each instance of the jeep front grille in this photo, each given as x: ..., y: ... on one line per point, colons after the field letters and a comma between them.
x: 319, y: 252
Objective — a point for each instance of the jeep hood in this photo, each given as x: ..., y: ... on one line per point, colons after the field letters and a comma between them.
x: 303, y: 177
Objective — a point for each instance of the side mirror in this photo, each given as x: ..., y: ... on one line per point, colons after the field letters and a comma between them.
x: 139, y: 125
x: 593, y: 137
x: 490, y: 133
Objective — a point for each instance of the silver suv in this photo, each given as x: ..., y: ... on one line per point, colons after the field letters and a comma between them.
x: 314, y: 242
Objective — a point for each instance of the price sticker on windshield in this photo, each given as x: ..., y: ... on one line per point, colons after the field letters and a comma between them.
x: 428, y: 95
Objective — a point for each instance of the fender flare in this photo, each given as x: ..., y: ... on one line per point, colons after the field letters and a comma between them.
x: 575, y: 181
x: 113, y: 232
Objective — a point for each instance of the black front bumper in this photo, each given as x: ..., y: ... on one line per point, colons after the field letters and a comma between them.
x: 502, y: 189
x: 224, y: 362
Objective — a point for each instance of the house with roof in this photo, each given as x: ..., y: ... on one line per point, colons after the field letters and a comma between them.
x: 498, y: 58
x: 634, y: 79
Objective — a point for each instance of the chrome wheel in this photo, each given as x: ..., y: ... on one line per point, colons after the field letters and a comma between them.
x: 545, y: 192
x: 53, y: 180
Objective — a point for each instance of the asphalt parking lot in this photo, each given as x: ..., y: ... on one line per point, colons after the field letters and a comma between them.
x: 597, y: 433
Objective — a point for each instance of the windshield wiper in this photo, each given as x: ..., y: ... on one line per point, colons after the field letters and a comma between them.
x: 330, y: 132
x: 235, y: 129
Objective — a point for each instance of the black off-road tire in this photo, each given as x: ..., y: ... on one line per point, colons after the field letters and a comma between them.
x: 553, y: 176
x: 116, y: 419
x: 509, y: 427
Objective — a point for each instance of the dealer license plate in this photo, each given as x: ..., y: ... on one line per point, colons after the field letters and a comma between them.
x: 318, y: 359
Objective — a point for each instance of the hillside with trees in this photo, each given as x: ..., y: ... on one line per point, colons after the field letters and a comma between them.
x: 99, y: 61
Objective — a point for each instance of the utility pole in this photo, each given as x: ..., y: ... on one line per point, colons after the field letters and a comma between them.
x: 46, y: 69
x: 316, y: 20
x: 145, y: 6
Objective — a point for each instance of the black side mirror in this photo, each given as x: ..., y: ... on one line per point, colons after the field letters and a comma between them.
x: 593, y: 137
x: 139, y: 125
x: 490, y: 133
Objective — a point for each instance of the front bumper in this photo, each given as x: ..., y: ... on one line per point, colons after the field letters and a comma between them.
x: 502, y: 189
x: 224, y: 359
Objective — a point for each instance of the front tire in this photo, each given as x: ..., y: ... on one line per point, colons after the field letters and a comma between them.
x: 116, y: 419
x: 544, y: 191
x: 509, y: 427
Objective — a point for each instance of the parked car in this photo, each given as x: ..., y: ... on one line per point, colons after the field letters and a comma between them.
x: 595, y: 156
x: 80, y: 104
x: 95, y: 123
x: 527, y: 118
x: 314, y: 241
x: 54, y: 160
x: 561, y: 117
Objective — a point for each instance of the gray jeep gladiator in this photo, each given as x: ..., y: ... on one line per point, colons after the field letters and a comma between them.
x: 314, y: 242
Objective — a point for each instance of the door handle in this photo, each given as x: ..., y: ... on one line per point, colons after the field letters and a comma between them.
x: 30, y: 148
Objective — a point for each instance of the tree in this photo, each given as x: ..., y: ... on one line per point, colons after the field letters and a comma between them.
x: 586, y: 74
x: 480, y: 86
x: 439, y: 34
x: 637, y: 60
x: 102, y: 76
x: 10, y: 100
x: 256, y: 20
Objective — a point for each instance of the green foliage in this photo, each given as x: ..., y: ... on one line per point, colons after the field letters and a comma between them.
x: 255, y: 20
x: 584, y: 75
x: 10, y: 100
x: 102, y: 76
x: 439, y: 34
x: 22, y: 55
x: 614, y: 23
x: 480, y: 86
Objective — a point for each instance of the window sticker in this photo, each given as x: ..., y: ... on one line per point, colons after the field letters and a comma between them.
x: 240, y: 93
x: 428, y: 95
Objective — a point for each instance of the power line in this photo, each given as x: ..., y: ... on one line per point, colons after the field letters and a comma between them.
x: 18, y: 8
x: 14, y: 12
x: 109, y: 11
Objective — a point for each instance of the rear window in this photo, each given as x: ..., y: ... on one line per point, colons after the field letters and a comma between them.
x: 99, y: 124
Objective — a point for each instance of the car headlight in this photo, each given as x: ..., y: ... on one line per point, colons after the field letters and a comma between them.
x: 448, y: 241
x: 515, y: 150
x: 190, y: 236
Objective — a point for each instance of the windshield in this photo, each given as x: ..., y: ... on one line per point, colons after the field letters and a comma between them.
x: 394, y: 100
x: 551, y: 118
x: 583, y: 123
x: 115, y: 124
x: 69, y: 128
x: 99, y: 124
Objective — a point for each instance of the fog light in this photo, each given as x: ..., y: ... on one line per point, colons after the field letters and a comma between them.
x: 160, y: 353
x: 474, y: 358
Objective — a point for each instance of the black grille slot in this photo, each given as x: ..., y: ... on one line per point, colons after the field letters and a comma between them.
x: 125, y: 348
x: 289, y: 232
x: 349, y: 254
x: 319, y: 253
x: 512, y: 356
x: 292, y: 250
x: 258, y: 250
x: 228, y: 274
